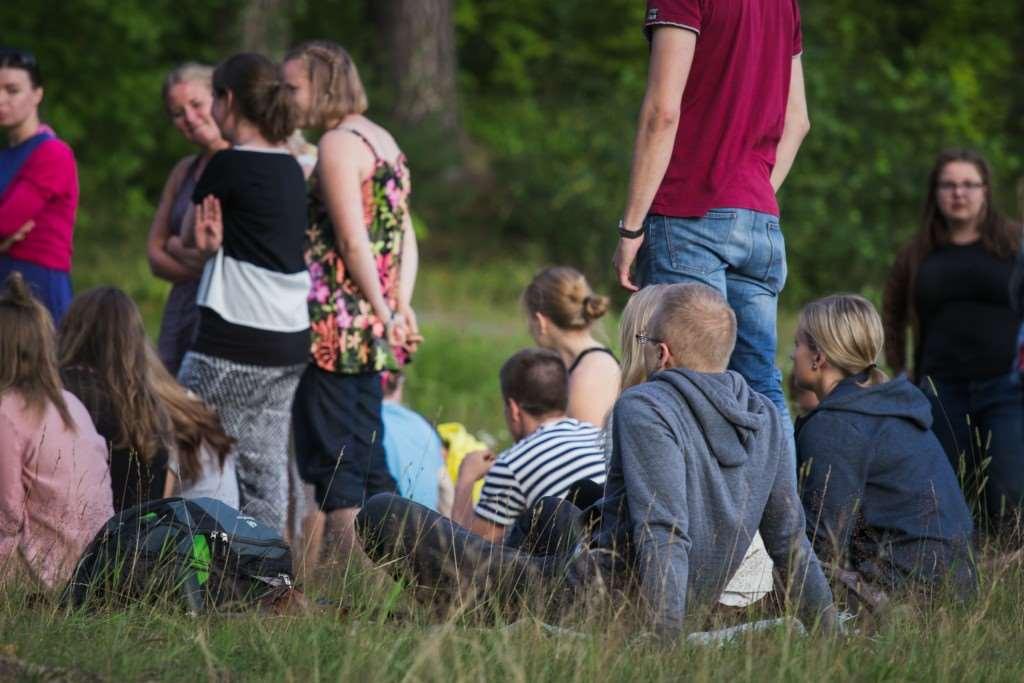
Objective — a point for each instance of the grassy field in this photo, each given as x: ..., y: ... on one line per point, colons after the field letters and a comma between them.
x: 472, y: 322
x: 351, y: 637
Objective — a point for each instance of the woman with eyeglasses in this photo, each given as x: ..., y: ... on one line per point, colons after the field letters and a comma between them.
x: 950, y: 286
x: 38, y: 187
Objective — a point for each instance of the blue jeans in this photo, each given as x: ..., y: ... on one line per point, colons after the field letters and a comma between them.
x: 979, y: 420
x: 742, y: 254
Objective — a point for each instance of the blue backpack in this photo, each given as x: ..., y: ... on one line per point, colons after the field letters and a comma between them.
x: 198, y: 551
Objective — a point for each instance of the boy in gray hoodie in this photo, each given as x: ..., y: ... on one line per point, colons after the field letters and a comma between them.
x: 699, y: 463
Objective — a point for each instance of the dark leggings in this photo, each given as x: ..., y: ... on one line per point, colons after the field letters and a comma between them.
x: 447, y: 561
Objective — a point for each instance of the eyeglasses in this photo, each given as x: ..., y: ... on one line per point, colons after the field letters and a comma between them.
x: 969, y: 186
x: 644, y: 339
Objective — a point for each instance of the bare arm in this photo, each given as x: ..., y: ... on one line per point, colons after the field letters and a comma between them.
x: 473, y: 468
x: 340, y: 153
x: 798, y: 124
x: 672, y: 52
x: 162, y: 263
x: 593, y: 388
x: 407, y: 279
x: 464, y: 515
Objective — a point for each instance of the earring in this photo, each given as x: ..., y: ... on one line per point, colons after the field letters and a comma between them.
x: 814, y: 366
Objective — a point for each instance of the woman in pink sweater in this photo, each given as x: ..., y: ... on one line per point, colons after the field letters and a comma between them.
x: 54, y: 481
x: 38, y: 187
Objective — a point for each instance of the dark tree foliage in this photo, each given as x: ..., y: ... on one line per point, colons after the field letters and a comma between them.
x: 548, y: 93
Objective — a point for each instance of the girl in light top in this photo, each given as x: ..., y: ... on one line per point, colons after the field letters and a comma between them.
x: 54, y: 482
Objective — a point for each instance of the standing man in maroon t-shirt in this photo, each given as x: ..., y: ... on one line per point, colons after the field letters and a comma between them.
x: 722, y: 119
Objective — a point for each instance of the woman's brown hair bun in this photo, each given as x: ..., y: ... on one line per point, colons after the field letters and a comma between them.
x: 564, y: 296
x: 594, y: 306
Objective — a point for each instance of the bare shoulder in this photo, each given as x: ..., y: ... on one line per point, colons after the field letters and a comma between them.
x: 597, y: 364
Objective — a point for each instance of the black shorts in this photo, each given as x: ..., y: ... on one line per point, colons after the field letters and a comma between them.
x: 339, y: 437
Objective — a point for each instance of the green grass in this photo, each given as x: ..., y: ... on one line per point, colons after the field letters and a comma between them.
x: 472, y: 321
x: 980, y: 642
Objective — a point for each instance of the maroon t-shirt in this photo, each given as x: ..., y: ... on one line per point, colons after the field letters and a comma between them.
x: 734, y: 105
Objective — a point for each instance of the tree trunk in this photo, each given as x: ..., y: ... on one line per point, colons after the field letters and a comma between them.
x: 421, y: 43
x: 264, y: 27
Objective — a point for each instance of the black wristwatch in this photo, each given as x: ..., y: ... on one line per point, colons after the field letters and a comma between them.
x: 629, y: 234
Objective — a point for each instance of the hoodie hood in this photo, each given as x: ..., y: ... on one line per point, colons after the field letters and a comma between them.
x: 896, y: 398
x: 730, y: 414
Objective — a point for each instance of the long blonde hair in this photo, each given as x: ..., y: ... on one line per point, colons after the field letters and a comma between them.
x: 635, y: 317
x: 848, y: 331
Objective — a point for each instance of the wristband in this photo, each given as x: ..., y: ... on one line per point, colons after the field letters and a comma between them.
x: 629, y: 234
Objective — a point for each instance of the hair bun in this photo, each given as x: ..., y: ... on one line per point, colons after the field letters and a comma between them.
x: 595, y: 306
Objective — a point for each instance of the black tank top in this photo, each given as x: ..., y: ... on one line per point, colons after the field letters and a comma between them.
x: 593, y: 349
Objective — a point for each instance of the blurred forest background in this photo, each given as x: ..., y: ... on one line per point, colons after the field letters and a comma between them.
x: 518, y: 120
x: 518, y: 116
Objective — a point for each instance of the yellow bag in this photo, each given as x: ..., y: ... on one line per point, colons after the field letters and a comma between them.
x: 459, y: 443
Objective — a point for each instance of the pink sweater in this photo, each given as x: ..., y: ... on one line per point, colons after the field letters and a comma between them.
x: 54, y: 488
x: 45, y: 191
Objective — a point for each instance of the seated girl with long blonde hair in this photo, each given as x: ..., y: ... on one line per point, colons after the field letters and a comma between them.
x: 883, y: 507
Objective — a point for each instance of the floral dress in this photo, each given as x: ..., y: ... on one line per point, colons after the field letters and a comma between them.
x: 347, y: 336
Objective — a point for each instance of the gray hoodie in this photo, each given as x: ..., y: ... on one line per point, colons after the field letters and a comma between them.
x: 699, y: 463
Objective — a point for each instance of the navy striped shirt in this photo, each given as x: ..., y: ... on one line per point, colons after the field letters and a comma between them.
x: 546, y: 463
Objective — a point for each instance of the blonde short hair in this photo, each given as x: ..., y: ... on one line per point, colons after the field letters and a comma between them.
x: 698, y: 326
x: 337, y: 90
x: 847, y: 330
x: 635, y: 317
x: 189, y: 72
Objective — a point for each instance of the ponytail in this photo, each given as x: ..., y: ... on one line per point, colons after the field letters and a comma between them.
x: 259, y: 94
x: 280, y: 116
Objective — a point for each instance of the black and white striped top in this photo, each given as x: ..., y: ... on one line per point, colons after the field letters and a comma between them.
x: 252, y: 296
x: 546, y: 463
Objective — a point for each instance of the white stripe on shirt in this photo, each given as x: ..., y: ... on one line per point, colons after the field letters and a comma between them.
x: 546, y: 463
x: 245, y: 294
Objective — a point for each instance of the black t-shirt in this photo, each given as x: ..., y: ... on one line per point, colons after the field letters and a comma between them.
x: 132, y: 480
x: 962, y: 298
x: 252, y: 297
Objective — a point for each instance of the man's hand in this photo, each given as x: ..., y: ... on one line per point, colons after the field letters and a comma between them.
x: 475, y: 466
x: 6, y: 244
x: 625, y: 255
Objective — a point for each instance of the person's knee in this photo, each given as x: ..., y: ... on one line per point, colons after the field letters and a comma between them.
x: 372, y: 521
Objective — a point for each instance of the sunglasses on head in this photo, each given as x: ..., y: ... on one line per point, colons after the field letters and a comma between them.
x: 11, y: 57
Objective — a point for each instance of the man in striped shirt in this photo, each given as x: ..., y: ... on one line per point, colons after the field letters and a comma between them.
x: 552, y: 452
